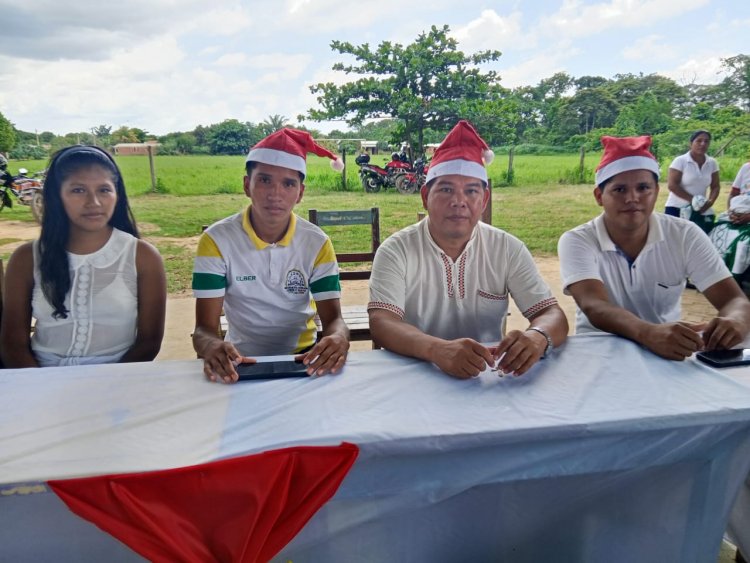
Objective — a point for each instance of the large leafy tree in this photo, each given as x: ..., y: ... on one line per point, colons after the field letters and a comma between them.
x: 737, y: 83
x: 230, y: 137
x: 428, y: 84
x: 7, y: 134
x: 587, y: 109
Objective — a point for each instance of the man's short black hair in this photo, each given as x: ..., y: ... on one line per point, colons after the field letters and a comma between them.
x: 250, y: 164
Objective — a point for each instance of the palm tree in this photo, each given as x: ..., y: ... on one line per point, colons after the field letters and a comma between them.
x: 273, y: 123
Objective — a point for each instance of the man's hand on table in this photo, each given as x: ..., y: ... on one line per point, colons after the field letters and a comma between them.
x: 673, y: 341
x: 327, y: 356
x: 462, y: 358
x: 220, y: 359
x: 722, y: 333
x: 518, y: 351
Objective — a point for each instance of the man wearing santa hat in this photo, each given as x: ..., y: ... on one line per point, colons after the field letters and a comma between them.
x: 626, y: 269
x: 270, y: 271
x: 439, y: 289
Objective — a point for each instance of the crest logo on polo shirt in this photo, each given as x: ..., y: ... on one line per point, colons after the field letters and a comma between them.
x: 295, y: 282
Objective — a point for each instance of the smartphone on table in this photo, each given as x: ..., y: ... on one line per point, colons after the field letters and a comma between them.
x: 271, y: 370
x: 725, y: 358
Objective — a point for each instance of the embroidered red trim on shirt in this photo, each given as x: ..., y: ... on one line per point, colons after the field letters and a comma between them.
x: 461, y: 276
x: 386, y: 306
x: 492, y: 296
x: 448, y: 274
x: 539, y: 307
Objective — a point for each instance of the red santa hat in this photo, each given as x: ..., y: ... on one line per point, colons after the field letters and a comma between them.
x: 622, y: 154
x: 462, y: 152
x: 288, y: 148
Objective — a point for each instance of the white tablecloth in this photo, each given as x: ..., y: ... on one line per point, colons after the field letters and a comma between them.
x: 601, y: 452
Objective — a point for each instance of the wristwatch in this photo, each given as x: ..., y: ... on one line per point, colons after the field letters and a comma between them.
x: 546, y: 337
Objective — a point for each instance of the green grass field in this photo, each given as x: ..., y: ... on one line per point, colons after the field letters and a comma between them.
x: 198, y: 190
x: 204, y: 175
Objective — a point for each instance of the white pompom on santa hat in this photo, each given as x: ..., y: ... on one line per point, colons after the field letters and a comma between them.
x: 288, y: 148
x: 622, y: 154
x: 462, y: 152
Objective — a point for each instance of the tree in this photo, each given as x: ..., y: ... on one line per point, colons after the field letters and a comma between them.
x: 124, y: 135
x: 425, y: 85
x: 7, y: 134
x: 649, y: 115
x: 588, y: 109
x: 185, y: 143
x: 738, y: 82
x: 101, y: 130
x: 272, y: 124
x: 229, y: 137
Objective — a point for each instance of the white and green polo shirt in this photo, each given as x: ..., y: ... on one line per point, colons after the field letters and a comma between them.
x: 269, y: 290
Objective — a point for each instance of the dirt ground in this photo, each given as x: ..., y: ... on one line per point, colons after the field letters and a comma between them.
x: 180, y: 308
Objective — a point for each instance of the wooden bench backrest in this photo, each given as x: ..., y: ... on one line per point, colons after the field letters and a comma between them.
x: 352, y: 217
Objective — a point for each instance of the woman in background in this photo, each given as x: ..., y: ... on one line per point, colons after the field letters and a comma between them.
x: 691, y: 174
x: 97, y: 292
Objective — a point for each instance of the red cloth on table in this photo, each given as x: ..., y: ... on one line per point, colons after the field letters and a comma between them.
x: 241, y: 509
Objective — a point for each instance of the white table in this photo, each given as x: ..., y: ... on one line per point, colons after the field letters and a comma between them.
x: 738, y: 528
x: 601, y: 452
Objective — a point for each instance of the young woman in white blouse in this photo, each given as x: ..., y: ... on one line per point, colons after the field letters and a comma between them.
x: 691, y: 174
x: 97, y: 292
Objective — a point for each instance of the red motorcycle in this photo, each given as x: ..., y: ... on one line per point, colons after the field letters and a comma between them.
x: 413, y: 180
x: 374, y: 177
x: 28, y: 191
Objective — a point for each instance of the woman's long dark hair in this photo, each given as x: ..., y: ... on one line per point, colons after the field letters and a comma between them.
x: 53, y: 264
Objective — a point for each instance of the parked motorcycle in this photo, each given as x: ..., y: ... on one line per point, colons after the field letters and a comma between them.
x: 374, y: 177
x: 413, y: 180
x: 27, y: 191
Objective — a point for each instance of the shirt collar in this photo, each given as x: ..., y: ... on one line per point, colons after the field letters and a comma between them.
x: 259, y: 243
x: 423, y: 225
x: 655, y: 233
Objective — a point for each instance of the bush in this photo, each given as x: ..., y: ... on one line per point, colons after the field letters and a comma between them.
x: 28, y: 152
x: 577, y: 176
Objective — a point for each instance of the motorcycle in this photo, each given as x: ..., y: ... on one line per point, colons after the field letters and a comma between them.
x: 413, y: 180
x: 374, y: 177
x: 27, y: 190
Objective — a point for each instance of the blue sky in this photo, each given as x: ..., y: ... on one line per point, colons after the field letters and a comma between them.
x: 169, y: 65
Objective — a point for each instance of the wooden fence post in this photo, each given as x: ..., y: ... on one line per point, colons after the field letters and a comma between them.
x: 150, y: 149
x: 581, y: 171
x: 487, y: 213
x: 509, y: 175
x: 343, y: 170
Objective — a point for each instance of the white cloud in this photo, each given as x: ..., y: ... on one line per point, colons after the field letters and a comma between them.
x: 576, y: 19
x: 541, y: 65
x: 651, y: 47
x: 706, y: 70
x: 291, y: 65
x: 231, y: 59
x: 491, y: 30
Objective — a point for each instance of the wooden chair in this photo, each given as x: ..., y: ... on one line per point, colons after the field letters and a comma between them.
x: 356, y: 217
x: 355, y: 316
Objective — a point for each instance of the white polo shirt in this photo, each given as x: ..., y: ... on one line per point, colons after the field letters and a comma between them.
x: 465, y: 298
x: 650, y: 286
x: 269, y: 290
x: 695, y: 179
x: 742, y: 180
